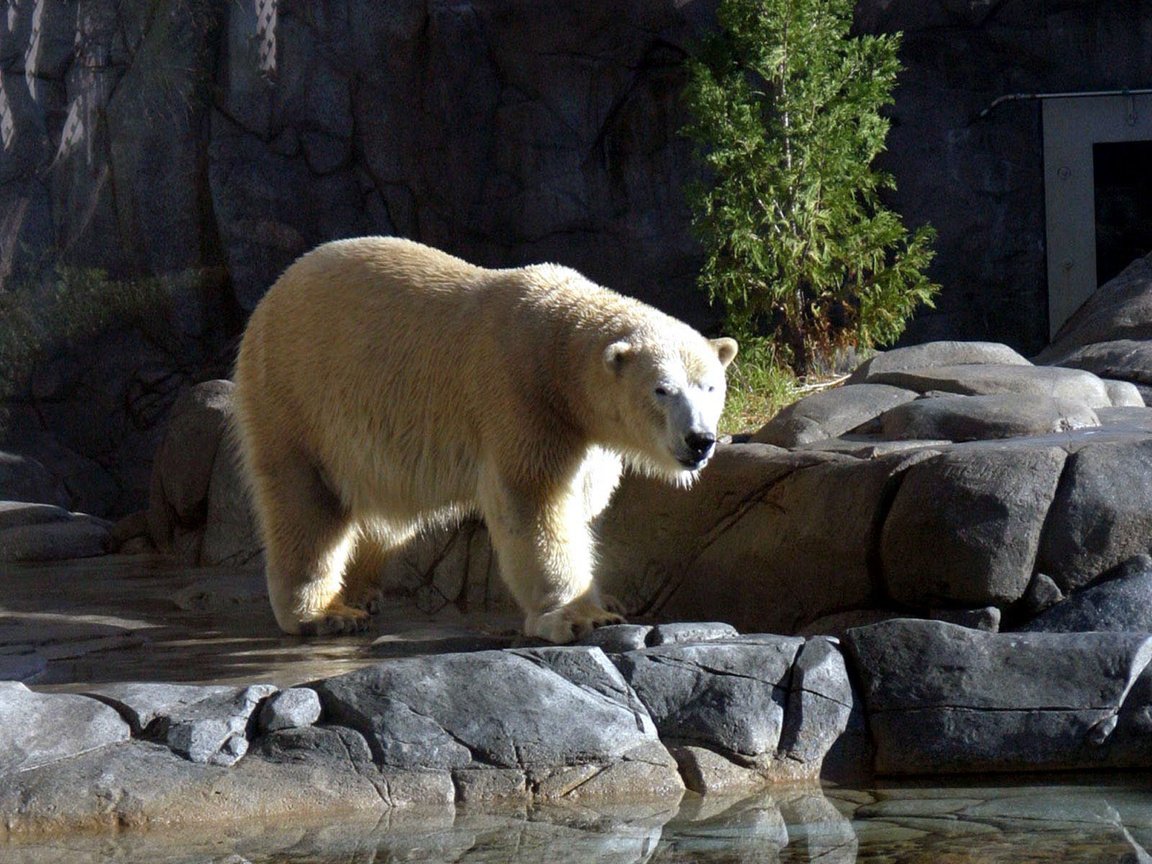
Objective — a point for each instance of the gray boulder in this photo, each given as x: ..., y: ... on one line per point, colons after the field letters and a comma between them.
x: 965, y: 526
x: 691, y: 631
x: 530, y: 710
x: 290, y: 709
x: 930, y: 354
x: 22, y: 478
x: 1124, y: 394
x: 182, y: 469
x: 829, y: 414
x: 1121, y: 601
x: 1123, y: 359
x: 206, y: 725
x: 16, y: 514
x: 726, y: 696
x: 42, y: 532
x: 1071, y: 385
x: 942, y: 698
x: 230, y: 532
x: 982, y: 418
x: 1042, y: 594
x: 758, y: 524
x: 820, y: 703
x: 1101, y: 514
x: 1120, y: 310
x: 38, y: 729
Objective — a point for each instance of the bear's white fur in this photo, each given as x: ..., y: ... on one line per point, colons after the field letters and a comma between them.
x: 382, y: 385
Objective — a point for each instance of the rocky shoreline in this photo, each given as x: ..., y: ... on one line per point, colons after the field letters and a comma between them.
x: 648, y: 713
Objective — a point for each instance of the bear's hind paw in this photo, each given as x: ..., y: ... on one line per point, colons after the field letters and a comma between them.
x: 336, y: 620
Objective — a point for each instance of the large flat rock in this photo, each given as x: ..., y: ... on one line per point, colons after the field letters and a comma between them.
x: 830, y: 413
x: 944, y: 698
x: 929, y: 354
x: 42, y: 532
x: 983, y: 418
x: 1073, y: 385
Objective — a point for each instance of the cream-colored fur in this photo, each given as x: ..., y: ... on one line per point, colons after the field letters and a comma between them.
x: 382, y: 385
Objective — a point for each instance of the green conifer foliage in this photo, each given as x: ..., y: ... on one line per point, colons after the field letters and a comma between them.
x: 786, y: 116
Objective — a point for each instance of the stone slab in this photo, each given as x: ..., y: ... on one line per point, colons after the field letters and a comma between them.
x: 1073, y: 385
x: 39, y: 729
x: 830, y: 414
x: 930, y: 354
x: 979, y: 418
x: 491, y: 709
x: 728, y: 697
x: 965, y: 525
x: 55, y: 541
x: 1101, y: 514
x: 943, y: 698
x: 1121, y: 601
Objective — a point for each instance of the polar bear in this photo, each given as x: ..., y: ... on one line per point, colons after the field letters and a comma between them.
x: 382, y: 385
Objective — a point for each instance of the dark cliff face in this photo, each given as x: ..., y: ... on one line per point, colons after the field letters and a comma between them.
x: 244, y: 133
x: 220, y: 139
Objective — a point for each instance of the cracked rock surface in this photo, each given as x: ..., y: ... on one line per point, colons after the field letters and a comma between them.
x: 944, y: 698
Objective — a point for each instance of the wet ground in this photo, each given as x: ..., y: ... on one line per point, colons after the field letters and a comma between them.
x: 68, y: 624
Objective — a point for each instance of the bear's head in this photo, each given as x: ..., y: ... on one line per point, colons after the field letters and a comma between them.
x: 669, y: 393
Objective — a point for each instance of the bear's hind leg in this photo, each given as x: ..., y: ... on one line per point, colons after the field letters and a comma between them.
x: 308, y: 539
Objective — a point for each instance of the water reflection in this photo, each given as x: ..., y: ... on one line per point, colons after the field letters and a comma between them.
x: 1065, y: 823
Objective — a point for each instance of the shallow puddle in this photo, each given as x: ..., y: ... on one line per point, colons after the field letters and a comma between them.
x: 926, y: 825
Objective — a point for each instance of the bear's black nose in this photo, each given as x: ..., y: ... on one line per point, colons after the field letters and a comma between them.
x: 700, y: 443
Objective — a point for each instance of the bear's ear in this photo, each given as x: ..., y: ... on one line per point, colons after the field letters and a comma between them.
x: 725, y: 350
x: 617, y: 354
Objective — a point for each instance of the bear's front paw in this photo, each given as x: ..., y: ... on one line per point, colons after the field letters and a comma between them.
x: 574, y: 621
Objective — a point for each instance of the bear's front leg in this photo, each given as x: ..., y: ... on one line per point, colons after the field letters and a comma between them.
x: 546, y: 555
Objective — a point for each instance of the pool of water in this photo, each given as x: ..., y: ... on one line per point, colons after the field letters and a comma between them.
x: 1107, y: 821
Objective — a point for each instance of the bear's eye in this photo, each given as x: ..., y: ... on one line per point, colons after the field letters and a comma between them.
x: 661, y: 392
x: 711, y: 388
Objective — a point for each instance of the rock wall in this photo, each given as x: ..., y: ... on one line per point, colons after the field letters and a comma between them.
x: 211, y: 142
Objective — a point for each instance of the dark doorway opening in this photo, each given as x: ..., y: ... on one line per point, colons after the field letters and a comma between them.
x: 1122, y: 174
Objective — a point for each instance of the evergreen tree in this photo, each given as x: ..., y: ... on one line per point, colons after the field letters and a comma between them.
x: 786, y: 115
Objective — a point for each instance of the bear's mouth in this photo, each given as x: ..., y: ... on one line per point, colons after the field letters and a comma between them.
x: 692, y: 464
